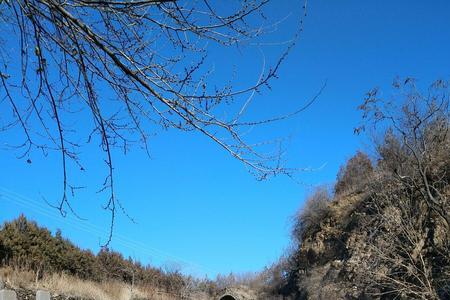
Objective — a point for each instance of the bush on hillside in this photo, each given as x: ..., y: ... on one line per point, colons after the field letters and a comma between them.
x: 354, y: 174
x: 411, y: 198
x: 31, y: 247
x: 313, y: 212
x: 398, y: 244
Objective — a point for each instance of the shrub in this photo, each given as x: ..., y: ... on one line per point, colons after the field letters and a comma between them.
x: 313, y: 212
x: 410, y: 200
x: 354, y: 174
x: 25, y: 245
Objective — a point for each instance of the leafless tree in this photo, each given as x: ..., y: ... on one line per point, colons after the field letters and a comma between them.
x: 399, y: 262
x: 416, y: 139
x: 354, y: 175
x: 130, y: 65
x: 409, y: 205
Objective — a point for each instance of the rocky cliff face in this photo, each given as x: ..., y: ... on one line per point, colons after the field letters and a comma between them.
x: 384, y: 230
x: 327, y: 257
x: 370, y: 247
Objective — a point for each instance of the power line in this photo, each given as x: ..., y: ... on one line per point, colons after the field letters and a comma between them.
x: 93, y: 229
x: 90, y: 228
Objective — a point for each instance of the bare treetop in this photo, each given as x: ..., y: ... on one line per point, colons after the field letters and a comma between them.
x: 128, y: 66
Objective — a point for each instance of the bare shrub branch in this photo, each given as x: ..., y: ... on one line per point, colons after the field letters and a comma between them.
x: 131, y: 66
x: 314, y: 210
x: 409, y: 201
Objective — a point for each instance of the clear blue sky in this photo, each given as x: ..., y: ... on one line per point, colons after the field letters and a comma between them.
x: 196, y: 206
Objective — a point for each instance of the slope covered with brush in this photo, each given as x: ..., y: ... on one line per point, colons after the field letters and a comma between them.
x: 35, y: 253
x: 383, y: 232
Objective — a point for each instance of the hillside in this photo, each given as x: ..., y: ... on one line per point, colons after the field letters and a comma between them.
x: 32, y: 257
x: 383, y: 231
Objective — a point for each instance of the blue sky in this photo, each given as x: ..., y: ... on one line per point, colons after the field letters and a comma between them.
x: 197, y: 207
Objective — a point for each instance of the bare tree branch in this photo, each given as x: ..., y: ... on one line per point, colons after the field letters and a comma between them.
x: 130, y: 66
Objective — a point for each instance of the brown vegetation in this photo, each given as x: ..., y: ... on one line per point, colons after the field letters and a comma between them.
x: 69, y: 286
x: 315, y: 209
x: 385, y: 234
x: 354, y: 174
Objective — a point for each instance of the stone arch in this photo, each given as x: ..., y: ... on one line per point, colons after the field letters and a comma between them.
x: 237, y: 293
x: 228, y: 297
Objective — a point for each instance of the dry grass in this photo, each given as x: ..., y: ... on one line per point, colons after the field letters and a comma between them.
x: 67, y: 285
x: 63, y: 284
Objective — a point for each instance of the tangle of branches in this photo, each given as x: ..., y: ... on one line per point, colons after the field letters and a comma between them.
x: 129, y: 65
